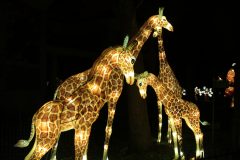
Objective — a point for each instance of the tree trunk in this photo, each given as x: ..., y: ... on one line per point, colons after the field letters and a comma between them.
x: 139, y: 129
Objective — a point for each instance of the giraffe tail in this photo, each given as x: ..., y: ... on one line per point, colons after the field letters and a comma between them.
x: 24, y: 143
x: 205, y: 123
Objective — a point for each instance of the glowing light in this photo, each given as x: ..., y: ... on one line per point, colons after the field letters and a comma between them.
x: 234, y: 64
x: 160, y: 116
x: 82, y: 135
x: 104, y: 69
x: 204, y: 91
x: 219, y: 78
x: 130, y: 77
x: 198, y: 153
x: 94, y: 88
x: 184, y: 92
x: 105, y: 147
x: 84, y: 157
x: 169, y: 27
x: 160, y: 125
x: 176, y: 150
x: 109, y: 130
x: 112, y: 112
x: 197, y: 137
x: 181, y: 153
x: 43, y: 149
x: 155, y: 34
x: 174, y: 134
x: 44, y: 126
x: 70, y: 100
x: 142, y: 93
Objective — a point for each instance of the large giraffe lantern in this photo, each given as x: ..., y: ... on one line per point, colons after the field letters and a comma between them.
x: 82, y: 108
x: 176, y: 109
x: 153, y: 24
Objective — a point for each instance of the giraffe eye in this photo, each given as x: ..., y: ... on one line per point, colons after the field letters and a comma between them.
x: 140, y: 84
x: 133, y: 60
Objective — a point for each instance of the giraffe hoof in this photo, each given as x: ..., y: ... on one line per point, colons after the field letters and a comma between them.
x: 182, y: 158
x: 105, y: 158
x: 54, y: 158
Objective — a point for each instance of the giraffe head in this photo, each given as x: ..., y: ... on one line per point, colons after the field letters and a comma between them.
x: 142, y: 83
x: 159, y: 22
x: 126, y: 60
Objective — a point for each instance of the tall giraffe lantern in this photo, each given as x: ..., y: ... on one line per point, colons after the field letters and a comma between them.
x: 82, y: 108
x: 166, y: 74
x: 176, y: 109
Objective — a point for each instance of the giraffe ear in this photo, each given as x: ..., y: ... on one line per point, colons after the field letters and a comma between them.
x: 160, y: 12
x: 132, y: 45
x: 136, y: 76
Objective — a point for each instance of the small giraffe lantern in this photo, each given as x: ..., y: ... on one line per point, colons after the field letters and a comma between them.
x: 82, y: 108
x: 176, y: 109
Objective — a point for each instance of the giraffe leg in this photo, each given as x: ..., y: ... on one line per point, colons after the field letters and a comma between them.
x: 169, y: 133
x: 174, y: 133
x: 194, y: 124
x: 178, y: 127
x: 197, y: 138
x: 40, y: 148
x: 201, y: 145
x: 108, y: 130
x: 85, y: 153
x: 54, y: 151
x: 32, y: 150
x: 81, y: 142
x: 159, y: 121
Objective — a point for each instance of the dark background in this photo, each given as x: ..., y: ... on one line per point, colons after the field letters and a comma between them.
x: 44, y: 42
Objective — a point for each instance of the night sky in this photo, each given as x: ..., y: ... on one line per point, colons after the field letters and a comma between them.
x: 45, y: 41
x: 202, y: 45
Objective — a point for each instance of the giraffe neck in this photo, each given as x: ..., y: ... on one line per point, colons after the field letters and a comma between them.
x: 161, y: 50
x: 102, y: 70
x: 166, y: 74
x: 142, y: 35
x: 160, y: 89
x: 154, y: 82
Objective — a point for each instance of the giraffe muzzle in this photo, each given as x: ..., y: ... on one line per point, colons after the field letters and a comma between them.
x: 130, y: 78
x: 169, y: 27
x: 143, y: 94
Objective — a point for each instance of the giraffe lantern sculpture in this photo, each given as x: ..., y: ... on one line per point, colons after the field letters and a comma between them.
x: 153, y: 24
x: 176, y: 109
x: 82, y: 108
x: 166, y: 74
x: 229, y: 91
